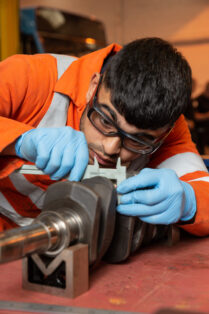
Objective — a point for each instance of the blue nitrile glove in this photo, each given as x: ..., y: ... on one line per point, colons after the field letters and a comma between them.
x: 56, y: 151
x: 157, y: 196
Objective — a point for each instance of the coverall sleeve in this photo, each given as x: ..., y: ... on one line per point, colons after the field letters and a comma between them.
x: 27, y: 84
x: 14, y: 85
x: 180, y: 154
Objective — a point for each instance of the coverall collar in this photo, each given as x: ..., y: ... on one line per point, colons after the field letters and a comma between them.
x: 76, y: 79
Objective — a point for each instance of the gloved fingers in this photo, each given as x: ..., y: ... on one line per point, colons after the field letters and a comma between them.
x: 43, y: 155
x: 148, y: 196
x: 50, y: 150
x: 145, y: 179
x: 58, y: 150
x: 66, y: 164
x: 56, y: 166
x: 74, y: 158
x: 165, y: 218
x: 22, y: 144
x: 167, y: 212
x: 81, y: 162
x: 141, y: 210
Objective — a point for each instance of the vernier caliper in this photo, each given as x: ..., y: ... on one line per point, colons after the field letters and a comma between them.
x: 116, y: 175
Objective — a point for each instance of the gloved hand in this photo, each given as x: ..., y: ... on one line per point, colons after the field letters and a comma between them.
x: 56, y: 151
x: 157, y: 196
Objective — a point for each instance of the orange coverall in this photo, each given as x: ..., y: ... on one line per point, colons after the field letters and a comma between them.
x: 27, y: 87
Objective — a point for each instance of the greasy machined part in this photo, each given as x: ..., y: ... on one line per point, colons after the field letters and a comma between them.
x: 149, y: 234
x: 173, y: 235
x: 138, y: 234
x: 131, y: 233
x: 79, y: 200
x: 73, y: 213
x: 120, y: 247
x: 18, y: 242
x: 161, y: 233
x: 108, y: 200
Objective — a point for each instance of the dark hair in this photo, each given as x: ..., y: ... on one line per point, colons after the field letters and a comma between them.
x: 150, y: 83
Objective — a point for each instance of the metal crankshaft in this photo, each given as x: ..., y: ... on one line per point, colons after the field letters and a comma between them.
x: 83, y: 212
x: 73, y: 212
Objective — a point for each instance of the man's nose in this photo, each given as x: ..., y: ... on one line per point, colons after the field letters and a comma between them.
x: 112, y: 145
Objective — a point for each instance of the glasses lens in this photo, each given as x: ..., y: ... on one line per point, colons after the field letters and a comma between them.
x: 102, y: 123
x: 136, y: 146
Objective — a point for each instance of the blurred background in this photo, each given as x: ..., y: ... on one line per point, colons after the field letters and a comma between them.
x: 77, y: 27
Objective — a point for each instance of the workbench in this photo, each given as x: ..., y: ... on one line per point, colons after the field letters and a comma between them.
x: 156, y: 277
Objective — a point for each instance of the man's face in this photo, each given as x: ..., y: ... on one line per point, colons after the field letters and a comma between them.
x: 107, y: 149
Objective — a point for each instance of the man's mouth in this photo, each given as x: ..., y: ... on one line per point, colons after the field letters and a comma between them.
x: 104, y: 162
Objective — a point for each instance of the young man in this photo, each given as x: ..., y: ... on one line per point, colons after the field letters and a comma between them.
x: 60, y: 113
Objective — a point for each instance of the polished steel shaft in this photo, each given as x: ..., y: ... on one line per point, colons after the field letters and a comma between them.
x: 73, y: 212
x: 51, y: 232
x: 18, y: 242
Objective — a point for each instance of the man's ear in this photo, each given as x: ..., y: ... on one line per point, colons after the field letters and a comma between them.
x: 92, y: 86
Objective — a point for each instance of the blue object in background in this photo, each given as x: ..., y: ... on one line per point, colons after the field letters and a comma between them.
x: 46, y: 30
x: 206, y: 161
x: 28, y: 26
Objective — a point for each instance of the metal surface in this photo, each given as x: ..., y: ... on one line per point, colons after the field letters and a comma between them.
x: 173, y: 235
x: 77, y: 200
x: 138, y: 235
x: 18, y: 242
x: 150, y: 233
x: 56, y: 309
x: 120, y: 247
x: 29, y: 169
x: 50, y: 232
x: 66, y: 275
x: 108, y: 201
x: 116, y: 175
x: 70, y: 217
x: 73, y: 212
x: 131, y: 233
